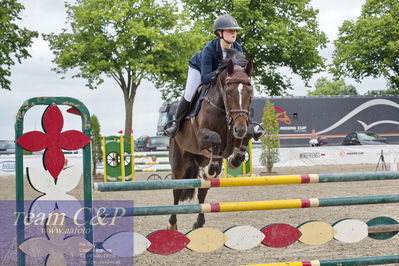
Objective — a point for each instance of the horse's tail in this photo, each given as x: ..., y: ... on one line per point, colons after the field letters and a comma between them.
x: 190, y: 173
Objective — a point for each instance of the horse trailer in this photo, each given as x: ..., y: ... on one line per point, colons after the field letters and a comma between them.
x: 331, y: 116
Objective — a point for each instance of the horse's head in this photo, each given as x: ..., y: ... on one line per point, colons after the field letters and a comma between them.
x: 238, y: 93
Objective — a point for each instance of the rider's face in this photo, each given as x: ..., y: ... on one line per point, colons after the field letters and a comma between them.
x: 230, y: 35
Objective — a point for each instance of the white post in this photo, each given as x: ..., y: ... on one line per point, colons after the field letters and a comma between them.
x: 393, y: 160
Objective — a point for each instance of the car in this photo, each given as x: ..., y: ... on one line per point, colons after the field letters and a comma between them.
x: 157, y: 143
x: 7, y: 147
x: 140, y: 143
x: 364, y: 138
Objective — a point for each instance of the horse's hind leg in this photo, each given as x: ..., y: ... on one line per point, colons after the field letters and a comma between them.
x: 176, y: 163
x: 173, y: 218
x: 201, y: 199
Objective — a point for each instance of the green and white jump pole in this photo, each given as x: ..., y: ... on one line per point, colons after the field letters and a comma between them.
x: 246, y: 181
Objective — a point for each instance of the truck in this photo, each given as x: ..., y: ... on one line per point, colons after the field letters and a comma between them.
x: 332, y: 117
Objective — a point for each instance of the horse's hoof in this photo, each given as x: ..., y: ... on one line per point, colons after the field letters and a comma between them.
x: 213, y: 170
x: 233, y: 163
x: 172, y: 227
x: 206, y: 173
x: 196, y: 225
x: 208, y: 176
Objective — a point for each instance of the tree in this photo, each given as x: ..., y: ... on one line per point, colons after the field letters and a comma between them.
x: 126, y: 40
x: 96, y: 150
x: 369, y: 46
x: 275, y: 34
x: 14, y: 40
x: 336, y: 87
x: 383, y: 92
x: 270, y: 141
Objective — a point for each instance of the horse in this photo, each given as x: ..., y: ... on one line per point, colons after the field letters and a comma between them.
x: 221, y: 127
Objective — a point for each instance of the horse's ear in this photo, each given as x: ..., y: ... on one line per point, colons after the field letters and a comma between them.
x: 250, y: 67
x: 230, y: 67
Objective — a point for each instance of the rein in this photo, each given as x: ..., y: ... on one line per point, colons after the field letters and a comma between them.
x: 226, y: 110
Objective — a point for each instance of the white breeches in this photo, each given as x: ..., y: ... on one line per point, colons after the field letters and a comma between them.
x: 313, y: 142
x: 193, y: 81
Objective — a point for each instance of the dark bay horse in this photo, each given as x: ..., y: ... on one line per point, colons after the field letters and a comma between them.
x: 220, y: 128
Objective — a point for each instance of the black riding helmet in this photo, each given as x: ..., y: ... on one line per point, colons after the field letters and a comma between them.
x: 225, y: 22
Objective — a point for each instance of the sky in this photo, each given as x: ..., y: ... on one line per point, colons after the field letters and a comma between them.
x: 34, y: 77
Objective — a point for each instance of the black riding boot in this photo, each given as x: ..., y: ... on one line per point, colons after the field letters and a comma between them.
x: 173, y: 126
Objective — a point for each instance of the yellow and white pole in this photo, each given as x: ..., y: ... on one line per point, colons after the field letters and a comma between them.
x: 122, y: 157
x: 104, y: 158
x: 250, y: 157
x: 131, y: 155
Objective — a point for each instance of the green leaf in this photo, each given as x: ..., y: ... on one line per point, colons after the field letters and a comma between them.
x: 369, y: 46
x: 14, y: 40
x: 128, y: 41
x: 335, y: 87
x: 270, y: 141
x: 278, y: 33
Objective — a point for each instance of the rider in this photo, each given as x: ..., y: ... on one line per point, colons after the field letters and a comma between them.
x: 202, y: 66
x: 313, y: 138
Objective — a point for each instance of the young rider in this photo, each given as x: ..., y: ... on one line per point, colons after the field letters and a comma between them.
x: 202, y: 65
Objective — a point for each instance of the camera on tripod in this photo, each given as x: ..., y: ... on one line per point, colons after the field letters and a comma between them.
x: 382, y: 161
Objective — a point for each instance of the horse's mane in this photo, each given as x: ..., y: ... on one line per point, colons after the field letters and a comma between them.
x: 237, y: 57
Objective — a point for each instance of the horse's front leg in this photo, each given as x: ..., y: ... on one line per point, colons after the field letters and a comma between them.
x: 239, y: 153
x: 210, y: 139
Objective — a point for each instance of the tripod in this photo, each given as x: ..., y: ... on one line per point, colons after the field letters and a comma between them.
x: 382, y: 161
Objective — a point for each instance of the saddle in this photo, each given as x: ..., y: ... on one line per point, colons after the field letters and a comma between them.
x: 197, y: 100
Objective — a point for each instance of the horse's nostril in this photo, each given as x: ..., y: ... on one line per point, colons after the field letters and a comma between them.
x: 240, y: 130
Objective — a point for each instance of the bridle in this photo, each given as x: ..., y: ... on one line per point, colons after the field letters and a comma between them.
x: 229, y: 118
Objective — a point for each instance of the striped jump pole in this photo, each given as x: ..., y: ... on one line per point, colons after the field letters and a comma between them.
x: 251, y: 205
x: 246, y: 181
x: 150, y: 163
x: 149, y: 155
x: 151, y: 170
x: 141, y: 155
x: 374, y: 260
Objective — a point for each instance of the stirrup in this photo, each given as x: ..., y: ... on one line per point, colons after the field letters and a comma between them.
x: 171, y: 128
x: 259, y: 132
